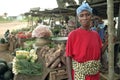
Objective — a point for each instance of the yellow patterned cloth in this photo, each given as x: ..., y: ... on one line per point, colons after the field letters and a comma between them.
x: 87, y: 68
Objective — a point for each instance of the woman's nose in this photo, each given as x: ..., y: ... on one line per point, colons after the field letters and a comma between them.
x: 84, y: 17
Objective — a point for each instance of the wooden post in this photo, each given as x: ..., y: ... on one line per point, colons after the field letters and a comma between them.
x: 52, y: 75
x: 110, y: 11
x: 118, y: 29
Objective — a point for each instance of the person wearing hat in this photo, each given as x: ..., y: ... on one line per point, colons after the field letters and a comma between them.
x: 83, y: 48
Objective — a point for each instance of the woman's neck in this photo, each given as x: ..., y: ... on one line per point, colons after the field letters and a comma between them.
x: 85, y: 28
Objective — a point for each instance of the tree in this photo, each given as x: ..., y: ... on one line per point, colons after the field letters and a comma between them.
x: 62, y: 3
x: 5, y: 14
x: 111, y: 29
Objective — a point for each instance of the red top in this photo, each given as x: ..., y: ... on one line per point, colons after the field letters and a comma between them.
x: 83, y: 45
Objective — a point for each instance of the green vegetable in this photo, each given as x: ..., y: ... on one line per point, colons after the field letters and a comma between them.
x: 25, y: 67
x: 51, y: 45
x: 29, y: 42
x: 21, y: 57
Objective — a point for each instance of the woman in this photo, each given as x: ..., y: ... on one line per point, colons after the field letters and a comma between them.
x: 83, y: 48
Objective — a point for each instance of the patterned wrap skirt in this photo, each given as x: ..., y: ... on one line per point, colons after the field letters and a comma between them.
x: 87, y: 68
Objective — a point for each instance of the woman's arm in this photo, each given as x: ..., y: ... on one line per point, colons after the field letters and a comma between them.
x: 69, y: 67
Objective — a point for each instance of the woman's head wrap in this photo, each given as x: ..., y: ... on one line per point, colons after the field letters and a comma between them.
x: 84, y: 6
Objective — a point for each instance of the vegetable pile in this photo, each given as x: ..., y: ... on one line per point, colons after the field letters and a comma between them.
x: 25, y: 63
x: 53, y: 56
x: 23, y: 35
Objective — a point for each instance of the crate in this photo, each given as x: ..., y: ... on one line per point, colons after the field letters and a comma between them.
x: 58, y: 75
x: 3, y: 47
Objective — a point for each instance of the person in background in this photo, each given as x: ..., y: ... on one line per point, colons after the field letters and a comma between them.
x: 84, y: 48
x: 99, y: 24
x: 93, y: 27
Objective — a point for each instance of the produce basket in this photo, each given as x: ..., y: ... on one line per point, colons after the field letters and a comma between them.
x: 60, y: 39
x: 42, y: 41
x: 3, y: 47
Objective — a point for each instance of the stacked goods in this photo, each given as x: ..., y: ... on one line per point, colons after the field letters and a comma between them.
x: 60, y: 31
x: 58, y: 75
x: 54, y: 57
x: 64, y: 32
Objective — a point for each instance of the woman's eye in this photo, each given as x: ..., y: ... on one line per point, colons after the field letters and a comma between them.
x: 87, y: 14
x: 81, y: 15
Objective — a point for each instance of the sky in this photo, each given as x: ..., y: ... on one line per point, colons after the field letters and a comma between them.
x: 17, y: 7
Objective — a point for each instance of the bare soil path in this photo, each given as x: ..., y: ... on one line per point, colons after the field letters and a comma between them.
x: 11, y: 26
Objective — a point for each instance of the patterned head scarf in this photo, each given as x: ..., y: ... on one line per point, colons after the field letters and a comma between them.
x: 84, y: 6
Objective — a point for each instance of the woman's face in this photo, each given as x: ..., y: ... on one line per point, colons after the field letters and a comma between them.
x: 85, y: 18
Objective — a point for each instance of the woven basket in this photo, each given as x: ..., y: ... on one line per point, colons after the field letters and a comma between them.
x: 3, y: 47
x: 42, y: 41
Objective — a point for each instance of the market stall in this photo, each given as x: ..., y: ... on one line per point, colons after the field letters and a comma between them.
x: 41, y: 57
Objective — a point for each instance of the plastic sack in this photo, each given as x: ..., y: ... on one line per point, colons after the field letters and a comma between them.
x: 41, y: 31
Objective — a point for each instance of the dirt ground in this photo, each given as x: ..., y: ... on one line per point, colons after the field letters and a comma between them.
x: 11, y: 26
x: 6, y: 55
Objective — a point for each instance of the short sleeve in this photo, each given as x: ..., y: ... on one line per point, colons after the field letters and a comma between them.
x: 69, y: 49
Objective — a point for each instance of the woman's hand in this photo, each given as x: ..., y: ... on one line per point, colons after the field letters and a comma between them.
x: 69, y: 67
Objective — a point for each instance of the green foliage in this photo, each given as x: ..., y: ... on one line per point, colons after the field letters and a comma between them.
x: 3, y: 20
x: 26, y: 49
x: 30, y: 42
x: 28, y: 68
x: 56, y: 31
x: 52, y: 45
